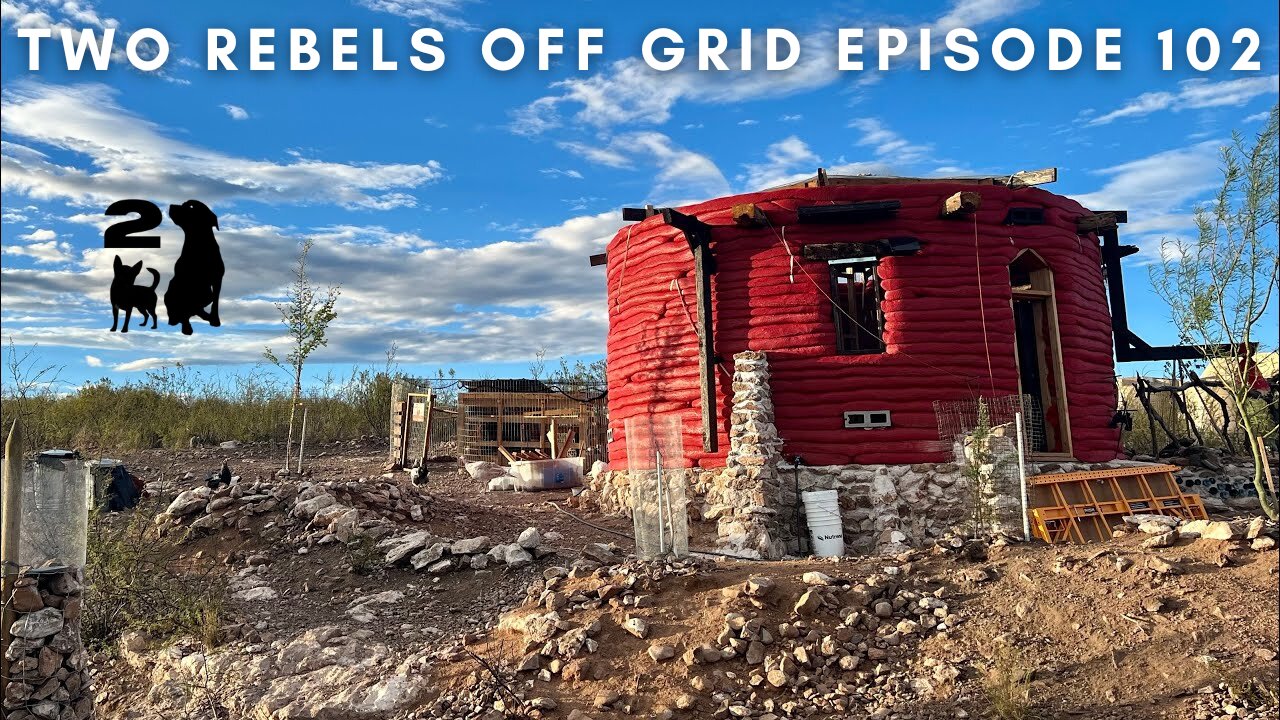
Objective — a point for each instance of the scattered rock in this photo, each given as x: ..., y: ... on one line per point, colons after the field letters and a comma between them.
x: 662, y: 653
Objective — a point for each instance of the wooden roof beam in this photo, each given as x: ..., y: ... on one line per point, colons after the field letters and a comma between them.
x: 749, y: 215
x: 961, y: 204
x: 1028, y: 178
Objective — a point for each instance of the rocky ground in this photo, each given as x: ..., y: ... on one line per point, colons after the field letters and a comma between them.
x: 354, y: 595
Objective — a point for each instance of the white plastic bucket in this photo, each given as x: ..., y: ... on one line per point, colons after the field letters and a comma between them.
x: 822, y: 510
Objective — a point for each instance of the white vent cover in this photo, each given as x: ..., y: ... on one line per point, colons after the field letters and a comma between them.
x: 867, y: 419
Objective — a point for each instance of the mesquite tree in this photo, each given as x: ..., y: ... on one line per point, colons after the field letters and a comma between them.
x: 1220, y: 285
x: 307, y: 311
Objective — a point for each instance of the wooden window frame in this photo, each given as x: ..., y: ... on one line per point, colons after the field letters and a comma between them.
x: 872, y: 263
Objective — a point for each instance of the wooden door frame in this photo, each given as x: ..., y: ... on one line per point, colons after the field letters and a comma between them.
x: 1050, y: 295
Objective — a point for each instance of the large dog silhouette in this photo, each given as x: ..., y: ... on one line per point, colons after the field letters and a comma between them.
x: 197, y: 275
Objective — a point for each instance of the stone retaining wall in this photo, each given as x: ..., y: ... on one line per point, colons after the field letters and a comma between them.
x: 754, y: 499
x: 48, y: 670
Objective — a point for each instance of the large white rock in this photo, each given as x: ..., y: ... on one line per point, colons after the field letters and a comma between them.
x: 484, y: 471
x: 308, y: 508
x: 39, y: 624
x: 186, y: 503
x: 530, y: 538
x: 516, y: 557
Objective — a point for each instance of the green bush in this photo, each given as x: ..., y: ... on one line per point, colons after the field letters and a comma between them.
x: 136, y: 580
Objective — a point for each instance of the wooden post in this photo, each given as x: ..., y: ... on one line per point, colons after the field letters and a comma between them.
x: 302, y: 440
x: 707, y: 356
x: 426, y: 441
x: 402, y: 452
x: 11, y: 503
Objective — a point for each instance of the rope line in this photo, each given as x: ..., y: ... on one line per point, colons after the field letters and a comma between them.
x: 982, y: 306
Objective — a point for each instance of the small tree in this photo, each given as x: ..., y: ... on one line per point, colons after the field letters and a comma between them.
x: 307, y: 311
x: 1219, y: 286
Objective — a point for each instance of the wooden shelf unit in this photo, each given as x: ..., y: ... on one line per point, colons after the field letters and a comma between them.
x: 1083, y: 506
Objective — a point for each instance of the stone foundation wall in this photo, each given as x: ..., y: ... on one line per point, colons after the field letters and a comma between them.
x: 48, y: 670
x: 755, y: 505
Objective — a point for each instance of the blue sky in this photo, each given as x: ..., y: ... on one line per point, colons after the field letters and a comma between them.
x: 457, y: 208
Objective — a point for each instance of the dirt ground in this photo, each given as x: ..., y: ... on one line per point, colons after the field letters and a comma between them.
x: 1103, y: 632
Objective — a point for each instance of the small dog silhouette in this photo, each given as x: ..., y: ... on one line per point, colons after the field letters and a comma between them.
x: 124, y: 294
x: 197, y: 275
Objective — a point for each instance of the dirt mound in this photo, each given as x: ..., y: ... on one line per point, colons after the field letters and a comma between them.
x: 1116, y: 630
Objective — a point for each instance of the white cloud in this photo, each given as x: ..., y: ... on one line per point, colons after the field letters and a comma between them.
x: 1159, y: 191
x: 557, y: 172
x: 887, y: 144
x: 235, y: 112
x: 48, y: 252
x: 1194, y: 94
x: 444, y: 13
x: 488, y: 303
x: 791, y: 118
x: 39, y: 235
x: 630, y: 92
x: 131, y: 157
x: 596, y: 154
x: 787, y: 160
x: 1258, y: 116
x: 93, y: 361
x: 681, y: 173
x: 748, y: 121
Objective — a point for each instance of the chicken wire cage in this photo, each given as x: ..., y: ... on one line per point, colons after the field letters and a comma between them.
x: 659, y: 483
x: 57, y: 494
x: 984, y: 437
x: 502, y: 420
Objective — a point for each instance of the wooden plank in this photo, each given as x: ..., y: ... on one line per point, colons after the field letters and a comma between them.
x: 11, y: 538
x: 506, y: 454
x: 707, y: 352
x: 1121, y: 216
x: 569, y: 438
x: 554, y: 436
x: 1027, y: 178
x: 1094, y: 223
x: 961, y: 204
x: 896, y: 246
x: 749, y: 215
x: 848, y: 212
x: 599, y: 259
x: 426, y: 440
x: 402, y: 452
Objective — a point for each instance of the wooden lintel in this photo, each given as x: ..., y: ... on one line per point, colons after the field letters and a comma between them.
x: 1121, y: 216
x: 1027, y: 178
x: 637, y: 214
x: 1094, y: 223
x: 894, y: 246
x: 749, y: 215
x: 599, y: 259
x: 848, y: 212
x: 961, y: 204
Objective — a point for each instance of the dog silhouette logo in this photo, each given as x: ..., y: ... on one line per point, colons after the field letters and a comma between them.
x: 125, y: 295
x: 196, y: 285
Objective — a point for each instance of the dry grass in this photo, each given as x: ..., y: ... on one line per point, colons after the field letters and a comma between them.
x: 1007, y: 684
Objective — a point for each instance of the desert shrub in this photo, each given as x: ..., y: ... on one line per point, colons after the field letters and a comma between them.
x: 364, y: 557
x: 135, y: 581
x: 1007, y: 685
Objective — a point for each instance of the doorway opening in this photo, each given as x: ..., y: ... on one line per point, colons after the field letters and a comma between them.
x: 1038, y: 353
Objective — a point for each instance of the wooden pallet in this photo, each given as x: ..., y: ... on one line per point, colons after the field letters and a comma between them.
x: 1083, y: 506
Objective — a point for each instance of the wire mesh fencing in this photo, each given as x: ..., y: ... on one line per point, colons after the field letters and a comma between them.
x: 987, y: 442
